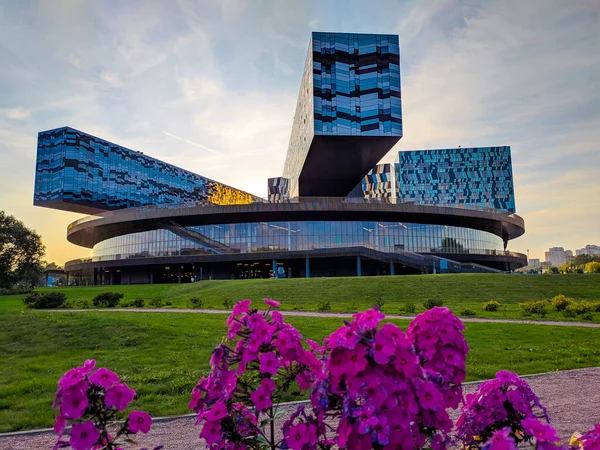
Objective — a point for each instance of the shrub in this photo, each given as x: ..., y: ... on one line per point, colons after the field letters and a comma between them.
x: 433, y: 303
x: 197, y: 302
x: 596, y: 306
x: 535, y: 307
x: 156, y: 302
x: 16, y: 290
x: 83, y: 304
x: 107, y: 299
x: 227, y: 304
x: 570, y: 312
x: 491, y: 306
x: 468, y: 312
x: 587, y: 316
x: 560, y: 302
x: 44, y: 300
x: 138, y: 302
x: 324, y: 306
x: 409, y: 308
x: 169, y: 303
x: 125, y: 304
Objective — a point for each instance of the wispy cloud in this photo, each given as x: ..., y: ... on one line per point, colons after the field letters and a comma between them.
x: 225, y: 75
x: 195, y: 144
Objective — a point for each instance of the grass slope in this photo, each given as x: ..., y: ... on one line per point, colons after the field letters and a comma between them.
x: 162, y: 356
x: 458, y: 291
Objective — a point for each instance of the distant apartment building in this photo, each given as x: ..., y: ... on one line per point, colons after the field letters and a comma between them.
x: 534, y: 262
x: 589, y: 249
x: 557, y: 256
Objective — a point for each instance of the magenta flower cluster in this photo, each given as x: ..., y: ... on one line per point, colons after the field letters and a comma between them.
x: 371, y: 386
x: 262, y: 357
x: 96, y: 395
x: 373, y: 391
x: 505, y: 401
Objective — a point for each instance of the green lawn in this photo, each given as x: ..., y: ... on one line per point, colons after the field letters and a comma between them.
x: 163, y: 355
x: 458, y: 291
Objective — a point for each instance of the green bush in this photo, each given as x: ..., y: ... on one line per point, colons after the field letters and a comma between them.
x: 491, y: 306
x: 156, y: 302
x: 409, y: 308
x: 324, y: 306
x: 107, y: 299
x: 227, y: 304
x: 169, y: 303
x: 535, y: 307
x: 138, y: 302
x: 380, y: 304
x: 596, y: 306
x: 44, y: 300
x: 560, y: 302
x: 197, y: 302
x: 468, y: 312
x: 16, y: 290
x: 125, y: 304
x: 570, y: 312
x: 432, y: 303
x: 587, y: 316
x: 583, y: 307
x: 83, y: 304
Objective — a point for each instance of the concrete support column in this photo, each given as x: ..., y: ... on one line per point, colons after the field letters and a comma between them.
x: 110, y: 277
x: 392, y: 270
x: 358, y: 268
x: 95, y: 276
x: 179, y: 274
x: 151, y: 275
x: 67, y: 278
x: 307, y: 267
x: 274, y: 268
x: 47, y: 276
x: 200, y: 273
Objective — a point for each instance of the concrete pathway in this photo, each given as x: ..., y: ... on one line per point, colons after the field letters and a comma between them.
x: 328, y: 314
x: 571, y: 396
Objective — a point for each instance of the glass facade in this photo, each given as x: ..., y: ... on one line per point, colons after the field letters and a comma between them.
x: 377, y: 184
x: 480, y: 177
x: 278, y: 189
x: 75, y: 171
x: 291, y: 236
x: 356, y: 84
x: 350, y: 87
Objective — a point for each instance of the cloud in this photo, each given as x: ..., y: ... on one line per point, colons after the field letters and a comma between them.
x: 195, y: 144
x: 212, y: 86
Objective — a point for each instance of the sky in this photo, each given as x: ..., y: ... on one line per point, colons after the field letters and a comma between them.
x: 211, y: 86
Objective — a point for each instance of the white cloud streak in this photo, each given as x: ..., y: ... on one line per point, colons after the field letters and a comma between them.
x: 195, y: 144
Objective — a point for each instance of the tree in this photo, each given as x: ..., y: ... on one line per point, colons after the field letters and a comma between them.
x: 592, y: 267
x: 21, y: 253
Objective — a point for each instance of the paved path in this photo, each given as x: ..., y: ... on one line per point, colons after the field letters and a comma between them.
x: 324, y: 314
x: 572, y: 398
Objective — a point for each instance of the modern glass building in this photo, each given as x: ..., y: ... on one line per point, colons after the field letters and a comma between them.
x: 462, y: 177
x: 334, y: 212
x: 348, y: 115
x: 79, y: 172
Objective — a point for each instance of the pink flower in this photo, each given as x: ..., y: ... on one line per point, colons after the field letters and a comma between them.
x: 59, y: 425
x: 119, y: 396
x: 216, y: 412
x: 89, y: 365
x: 356, y: 359
x: 255, y: 321
x: 211, y: 432
x: 261, y: 397
x: 501, y: 440
x: 73, y: 404
x: 71, y: 378
x: 139, y: 421
x: 272, y: 303
x: 104, y: 377
x: 269, y: 363
x: 277, y: 318
x: 383, y: 349
x: 539, y: 430
x: 84, y: 436
x: 241, y: 307
x: 196, y: 396
x: 234, y: 327
x: 429, y: 396
x: 297, y: 436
